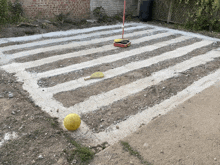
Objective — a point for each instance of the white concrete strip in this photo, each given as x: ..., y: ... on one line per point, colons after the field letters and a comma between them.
x: 77, y: 37
x: 31, y: 64
x: 133, y: 123
x: 93, y: 103
x: 74, y: 84
x: 63, y: 33
x: 183, y: 32
x: 72, y: 45
x: 1, y: 55
x: 51, y: 105
x: 108, y: 59
x: 7, y: 137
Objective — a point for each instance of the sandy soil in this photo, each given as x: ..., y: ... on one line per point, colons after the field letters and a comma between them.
x: 187, y: 135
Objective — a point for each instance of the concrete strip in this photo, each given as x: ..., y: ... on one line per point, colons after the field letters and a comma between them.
x: 126, y: 127
x: 93, y: 103
x: 72, y: 85
x: 77, y: 37
x: 39, y: 96
x: 72, y: 45
x: 31, y: 64
x: 62, y: 33
x: 183, y: 32
x: 133, y: 123
x: 108, y: 59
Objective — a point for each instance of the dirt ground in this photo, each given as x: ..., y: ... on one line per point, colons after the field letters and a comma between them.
x: 184, y: 136
x: 40, y: 26
x: 30, y: 136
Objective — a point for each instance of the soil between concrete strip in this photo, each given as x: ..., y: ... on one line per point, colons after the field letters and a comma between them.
x: 70, y: 40
x: 80, y: 59
x: 189, y: 134
x: 81, y: 94
x: 99, y: 120
x: 69, y: 50
x: 31, y: 41
x: 52, y: 81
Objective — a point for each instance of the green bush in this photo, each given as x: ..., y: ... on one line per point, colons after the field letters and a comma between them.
x: 16, y: 11
x: 205, y: 15
x: 10, y: 12
x: 3, y: 11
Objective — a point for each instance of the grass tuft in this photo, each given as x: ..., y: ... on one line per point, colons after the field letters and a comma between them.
x: 81, y: 153
x: 128, y: 148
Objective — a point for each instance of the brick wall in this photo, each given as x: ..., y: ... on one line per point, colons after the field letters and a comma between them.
x: 113, y: 7
x: 50, y: 8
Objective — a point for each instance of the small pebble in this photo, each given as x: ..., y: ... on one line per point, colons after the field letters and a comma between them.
x: 21, y: 127
x: 99, y: 148
x: 10, y: 95
x: 13, y: 112
x: 145, y: 145
x: 117, y: 127
x: 215, y: 159
x: 40, y: 157
x: 106, y: 145
x: 74, y: 161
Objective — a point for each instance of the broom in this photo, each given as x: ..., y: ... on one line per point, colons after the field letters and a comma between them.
x: 122, y: 42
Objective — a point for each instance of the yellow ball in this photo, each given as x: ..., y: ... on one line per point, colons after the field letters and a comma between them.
x: 72, y: 122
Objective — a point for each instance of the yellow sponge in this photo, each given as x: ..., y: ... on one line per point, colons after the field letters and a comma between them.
x: 120, y: 40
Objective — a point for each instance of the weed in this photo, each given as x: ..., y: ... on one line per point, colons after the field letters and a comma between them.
x: 53, y: 121
x: 99, y: 12
x: 81, y: 153
x: 117, y: 17
x: 62, y: 18
x: 128, y: 148
x: 84, y: 153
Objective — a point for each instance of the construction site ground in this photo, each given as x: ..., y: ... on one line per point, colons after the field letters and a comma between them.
x: 159, y: 102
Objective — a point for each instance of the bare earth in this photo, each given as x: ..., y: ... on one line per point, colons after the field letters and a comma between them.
x: 187, y: 135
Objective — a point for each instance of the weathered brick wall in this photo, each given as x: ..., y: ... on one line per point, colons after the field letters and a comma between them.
x: 50, y: 8
x: 113, y: 7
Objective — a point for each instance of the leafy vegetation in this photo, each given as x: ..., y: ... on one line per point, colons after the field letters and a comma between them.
x: 3, y: 11
x: 10, y: 12
x: 204, y: 16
